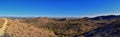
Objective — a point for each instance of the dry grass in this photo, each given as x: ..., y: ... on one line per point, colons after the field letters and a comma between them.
x: 46, y: 27
x: 18, y: 29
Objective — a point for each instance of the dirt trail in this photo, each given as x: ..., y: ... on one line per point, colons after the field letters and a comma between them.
x: 3, y: 29
x: 13, y: 28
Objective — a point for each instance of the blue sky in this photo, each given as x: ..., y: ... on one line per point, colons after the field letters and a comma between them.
x: 59, y: 8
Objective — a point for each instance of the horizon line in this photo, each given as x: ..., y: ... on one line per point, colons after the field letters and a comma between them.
x: 64, y: 16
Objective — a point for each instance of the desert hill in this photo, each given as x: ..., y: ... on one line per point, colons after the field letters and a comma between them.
x: 18, y: 29
x: 101, y: 26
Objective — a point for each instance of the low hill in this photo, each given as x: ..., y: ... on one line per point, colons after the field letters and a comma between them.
x: 19, y: 29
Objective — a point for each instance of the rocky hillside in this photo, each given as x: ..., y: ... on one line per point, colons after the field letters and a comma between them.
x: 101, y: 26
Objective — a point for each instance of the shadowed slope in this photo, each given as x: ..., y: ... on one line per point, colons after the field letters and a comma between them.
x: 106, y: 31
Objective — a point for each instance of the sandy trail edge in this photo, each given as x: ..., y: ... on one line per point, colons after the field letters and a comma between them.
x: 3, y: 29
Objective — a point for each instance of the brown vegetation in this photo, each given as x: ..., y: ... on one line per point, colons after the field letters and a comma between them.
x: 57, y: 27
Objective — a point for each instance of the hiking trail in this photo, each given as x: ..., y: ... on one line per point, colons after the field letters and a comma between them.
x: 3, y: 28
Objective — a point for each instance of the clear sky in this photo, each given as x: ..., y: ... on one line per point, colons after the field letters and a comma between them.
x: 59, y: 8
